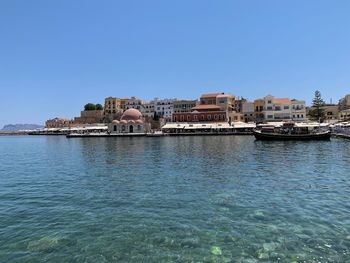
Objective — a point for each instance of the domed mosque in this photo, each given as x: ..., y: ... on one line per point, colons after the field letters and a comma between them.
x: 131, y: 121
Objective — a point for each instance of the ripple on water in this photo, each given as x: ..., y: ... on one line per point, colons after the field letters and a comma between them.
x: 185, y: 199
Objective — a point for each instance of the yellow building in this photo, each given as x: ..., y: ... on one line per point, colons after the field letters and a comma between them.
x: 259, y: 110
x: 113, y: 108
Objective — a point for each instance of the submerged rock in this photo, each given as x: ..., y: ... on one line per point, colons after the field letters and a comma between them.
x: 45, y: 244
x: 263, y: 255
x: 215, y: 250
x: 259, y: 215
x: 268, y: 247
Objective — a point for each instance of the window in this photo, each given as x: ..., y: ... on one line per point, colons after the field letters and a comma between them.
x: 269, y: 101
x: 115, y: 128
x: 215, y: 117
x: 270, y: 116
x: 286, y: 107
x: 195, y: 117
x: 209, y: 117
x: 188, y: 117
x: 202, y: 117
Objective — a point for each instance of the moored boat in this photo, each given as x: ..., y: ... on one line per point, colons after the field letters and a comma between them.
x: 291, y: 132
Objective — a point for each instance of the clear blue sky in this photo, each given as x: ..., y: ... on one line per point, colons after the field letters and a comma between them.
x: 55, y: 56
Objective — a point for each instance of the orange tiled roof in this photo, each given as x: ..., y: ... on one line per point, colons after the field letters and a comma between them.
x: 281, y: 101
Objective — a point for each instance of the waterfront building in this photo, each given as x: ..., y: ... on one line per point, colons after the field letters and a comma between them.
x: 238, y: 104
x: 259, y: 110
x: 226, y: 102
x: 331, y: 112
x: 298, y: 112
x: 280, y: 109
x: 200, y: 113
x: 216, y: 107
x: 132, y: 103
x: 131, y: 121
x: 184, y: 105
x: 112, y: 108
x: 57, y: 123
x: 248, y: 111
x: 164, y: 108
x: 147, y: 110
x: 277, y: 109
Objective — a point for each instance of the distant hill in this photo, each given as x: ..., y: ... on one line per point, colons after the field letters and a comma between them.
x: 17, y: 127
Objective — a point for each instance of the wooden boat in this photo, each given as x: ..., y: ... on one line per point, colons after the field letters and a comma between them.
x: 289, y: 131
x: 270, y: 136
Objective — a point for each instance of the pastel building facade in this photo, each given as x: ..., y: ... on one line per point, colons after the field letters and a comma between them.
x: 164, y: 108
x: 216, y: 107
x: 298, y: 110
x: 259, y: 105
x: 283, y: 109
x: 184, y: 105
x: 133, y: 103
x: 112, y: 108
x: 248, y: 111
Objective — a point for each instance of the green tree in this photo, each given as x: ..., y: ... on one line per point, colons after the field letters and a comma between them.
x: 317, y: 112
x: 99, y: 106
x: 90, y: 106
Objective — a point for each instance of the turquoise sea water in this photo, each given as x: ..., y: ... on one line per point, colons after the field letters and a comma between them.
x: 176, y: 199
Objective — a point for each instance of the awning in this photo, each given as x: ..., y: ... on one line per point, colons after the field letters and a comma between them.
x: 173, y: 126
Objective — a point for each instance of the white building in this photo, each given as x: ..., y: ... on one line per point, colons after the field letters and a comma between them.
x: 277, y: 109
x: 164, y: 108
x: 298, y: 110
x: 248, y: 111
x: 147, y: 109
x: 134, y: 103
x: 283, y: 109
